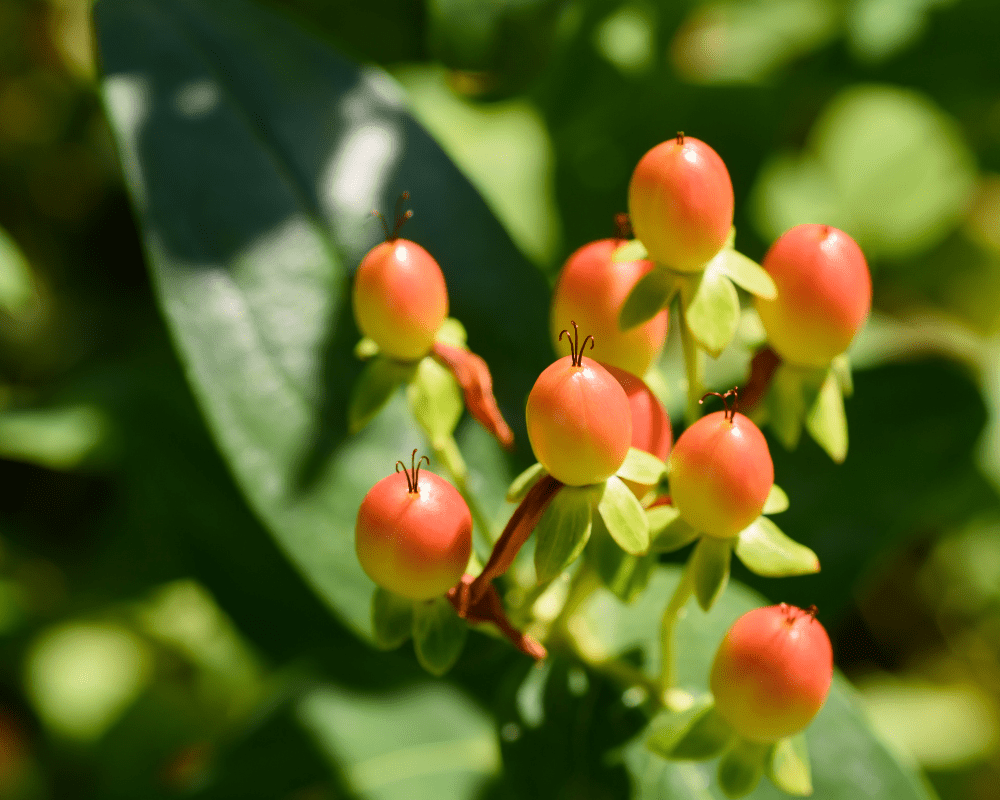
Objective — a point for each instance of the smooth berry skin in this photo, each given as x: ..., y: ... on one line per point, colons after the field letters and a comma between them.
x: 400, y: 299
x: 680, y: 202
x: 592, y: 290
x: 824, y: 294
x: 416, y: 545
x: 720, y: 474
x: 579, y: 422
x: 772, y: 672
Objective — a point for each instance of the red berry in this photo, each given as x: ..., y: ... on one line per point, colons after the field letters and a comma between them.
x: 824, y: 294
x: 721, y: 474
x: 400, y: 298
x: 592, y: 290
x: 772, y: 672
x: 414, y: 543
x: 680, y: 201
x: 579, y: 420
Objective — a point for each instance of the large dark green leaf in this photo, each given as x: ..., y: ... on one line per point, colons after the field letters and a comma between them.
x: 254, y: 156
x: 848, y: 760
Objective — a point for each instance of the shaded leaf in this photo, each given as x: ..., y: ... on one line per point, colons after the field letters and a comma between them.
x: 562, y: 532
x: 693, y: 735
x: 741, y: 767
x: 375, y: 386
x: 623, y: 574
x: 668, y: 531
x: 624, y: 518
x: 710, y: 569
x: 522, y: 484
x: 438, y: 635
x: 392, y: 618
x: 711, y: 308
x: 648, y: 297
x: 764, y: 549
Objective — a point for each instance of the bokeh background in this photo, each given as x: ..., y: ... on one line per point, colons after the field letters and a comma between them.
x: 153, y: 639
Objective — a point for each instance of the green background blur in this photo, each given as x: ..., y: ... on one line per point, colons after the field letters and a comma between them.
x: 154, y: 641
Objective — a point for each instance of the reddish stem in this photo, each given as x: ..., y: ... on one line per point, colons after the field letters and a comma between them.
x: 473, y: 375
x: 762, y: 368
x: 489, y: 609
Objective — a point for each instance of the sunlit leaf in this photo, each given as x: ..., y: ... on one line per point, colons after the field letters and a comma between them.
x: 641, y: 467
x: 624, y: 517
x: 788, y: 766
x: 563, y: 531
x: 711, y: 308
x: 777, y: 501
x: 826, y: 420
x: 522, y: 484
x: 435, y: 400
x: 746, y: 273
x: 764, y: 549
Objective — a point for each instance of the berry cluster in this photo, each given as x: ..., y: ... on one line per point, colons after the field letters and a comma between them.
x: 610, y: 482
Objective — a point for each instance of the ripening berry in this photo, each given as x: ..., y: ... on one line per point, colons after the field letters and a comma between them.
x: 592, y: 290
x: 400, y: 298
x: 414, y: 534
x: 824, y: 294
x: 721, y: 474
x: 772, y: 672
x: 680, y: 201
x: 579, y: 421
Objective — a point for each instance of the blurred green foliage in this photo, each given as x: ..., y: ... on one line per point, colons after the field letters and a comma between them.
x: 155, y: 641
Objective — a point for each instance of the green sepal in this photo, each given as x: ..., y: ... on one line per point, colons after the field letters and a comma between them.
x: 452, y: 332
x: 436, y: 400
x: 668, y: 531
x: 563, y: 531
x: 392, y: 619
x: 710, y: 566
x: 826, y: 420
x: 786, y: 404
x: 764, y: 549
x: 841, y: 366
x: 692, y: 735
x: 632, y: 250
x: 366, y: 348
x: 777, y: 500
x: 375, y: 386
x: 625, y: 575
x: 711, y: 308
x: 788, y: 766
x: 522, y: 484
x: 641, y: 467
x: 742, y: 766
x: 438, y: 635
x: 648, y: 297
x: 624, y: 518
x: 747, y: 273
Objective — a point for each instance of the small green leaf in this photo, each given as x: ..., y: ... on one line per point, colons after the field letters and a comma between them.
x: 764, y: 549
x: 624, y: 518
x: 747, y: 273
x: 522, y: 484
x: 710, y: 565
x: 777, y: 501
x: 641, y: 467
x: 376, y: 385
x: 438, y: 635
x: 633, y: 250
x: 788, y: 766
x: 452, y: 332
x: 436, y: 400
x: 625, y: 575
x: 692, y: 735
x: 827, y: 421
x: 711, y: 308
x: 841, y: 366
x: 786, y: 405
x: 366, y: 348
x: 563, y: 531
x: 392, y: 619
x: 648, y: 297
x: 742, y: 766
x: 667, y: 531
